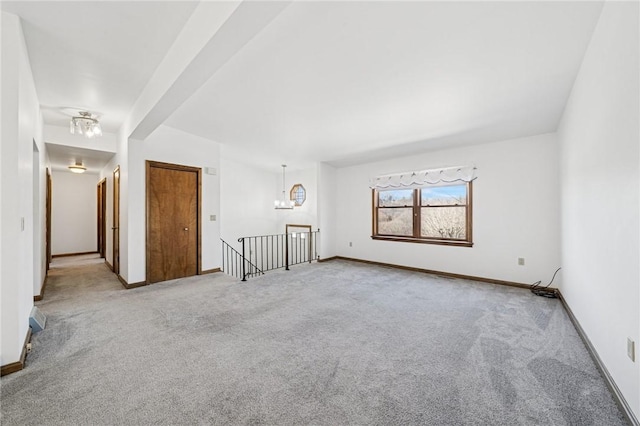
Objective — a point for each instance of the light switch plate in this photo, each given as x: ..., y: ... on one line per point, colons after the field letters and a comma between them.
x: 212, y: 218
x: 631, y: 349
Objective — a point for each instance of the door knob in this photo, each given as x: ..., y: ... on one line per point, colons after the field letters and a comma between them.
x: 186, y: 229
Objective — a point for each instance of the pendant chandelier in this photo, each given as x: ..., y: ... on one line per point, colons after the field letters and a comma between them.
x: 85, y: 124
x: 284, y: 204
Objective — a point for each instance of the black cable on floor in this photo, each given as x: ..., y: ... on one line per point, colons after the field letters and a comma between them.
x: 539, y: 290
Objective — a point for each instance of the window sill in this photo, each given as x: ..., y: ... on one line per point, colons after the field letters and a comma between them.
x: 423, y: 241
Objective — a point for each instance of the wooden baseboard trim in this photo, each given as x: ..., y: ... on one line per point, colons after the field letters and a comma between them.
x: 18, y: 365
x: 440, y: 273
x: 73, y: 254
x: 128, y: 286
x: 611, y: 384
x: 326, y: 259
x: 108, y: 265
x: 39, y: 297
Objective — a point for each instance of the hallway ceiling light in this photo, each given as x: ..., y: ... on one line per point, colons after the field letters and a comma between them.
x: 85, y: 124
x: 78, y: 167
x: 284, y: 204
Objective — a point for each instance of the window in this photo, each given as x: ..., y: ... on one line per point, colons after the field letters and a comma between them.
x: 298, y: 194
x: 434, y: 214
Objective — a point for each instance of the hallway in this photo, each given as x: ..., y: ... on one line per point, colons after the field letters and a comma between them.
x: 100, y: 347
x: 74, y: 278
x: 77, y: 260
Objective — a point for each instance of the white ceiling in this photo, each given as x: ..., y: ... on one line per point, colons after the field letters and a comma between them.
x: 96, y: 55
x: 343, y: 82
x: 62, y: 156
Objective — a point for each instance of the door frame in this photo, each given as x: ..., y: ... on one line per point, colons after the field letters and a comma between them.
x: 102, y: 217
x: 48, y: 219
x: 179, y: 167
x: 115, y: 228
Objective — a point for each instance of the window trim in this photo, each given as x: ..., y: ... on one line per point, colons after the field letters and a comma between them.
x: 292, y: 195
x: 417, y: 211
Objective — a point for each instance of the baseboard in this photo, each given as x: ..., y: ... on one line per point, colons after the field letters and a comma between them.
x: 128, y: 286
x: 110, y: 266
x: 432, y: 272
x: 611, y: 384
x: 39, y: 297
x: 73, y: 254
x: 328, y: 259
x: 18, y: 365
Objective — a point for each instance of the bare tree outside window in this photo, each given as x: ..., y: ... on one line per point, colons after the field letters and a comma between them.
x: 396, y: 212
x: 441, y: 214
x: 433, y: 214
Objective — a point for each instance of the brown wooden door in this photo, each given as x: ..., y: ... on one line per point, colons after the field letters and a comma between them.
x: 116, y: 221
x: 173, y: 219
x: 102, y: 220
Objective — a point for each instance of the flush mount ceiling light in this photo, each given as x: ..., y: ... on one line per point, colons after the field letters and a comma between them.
x: 85, y: 124
x: 78, y: 167
x: 283, y: 204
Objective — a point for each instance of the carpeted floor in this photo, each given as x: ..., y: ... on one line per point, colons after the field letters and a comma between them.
x: 336, y: 343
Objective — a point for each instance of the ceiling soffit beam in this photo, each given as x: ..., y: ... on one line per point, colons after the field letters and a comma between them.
x: 180, y: 75
x: 58, y: 135
x: 201, y: 27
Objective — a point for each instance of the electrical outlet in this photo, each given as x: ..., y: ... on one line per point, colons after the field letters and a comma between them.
x: 631, y: 349
x: 521, y: 261
x: 350, y: 244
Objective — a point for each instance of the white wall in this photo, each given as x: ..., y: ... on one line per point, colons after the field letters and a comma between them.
x: 307, y: 213
x: 21, y: 127
x: 121, y: 160
x: 327, y: 190
x: 170, y: 145
x: 74, y: 212
x: 515, y: 212
x: 247, y: 194
x: 600, y: 194
x: 246, y: 200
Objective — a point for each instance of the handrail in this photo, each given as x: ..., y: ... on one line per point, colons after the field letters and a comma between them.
x: 268, y: 252
x: 235, y: 264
